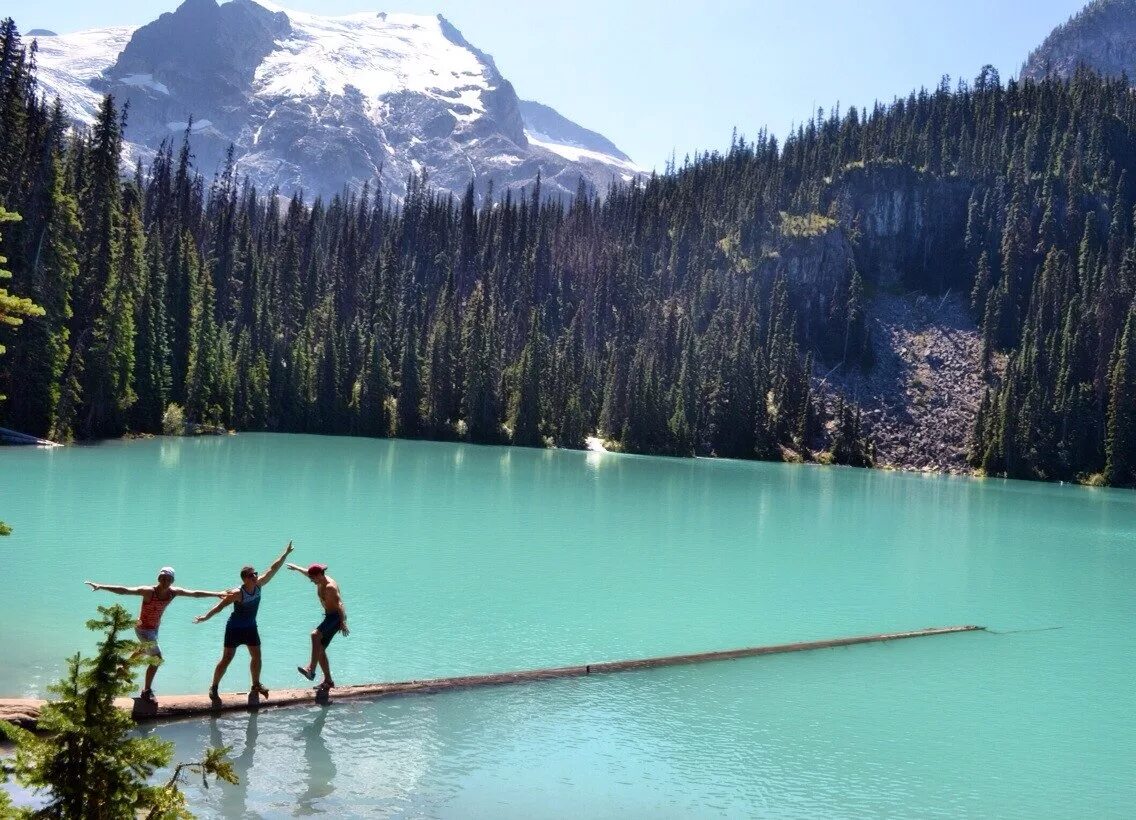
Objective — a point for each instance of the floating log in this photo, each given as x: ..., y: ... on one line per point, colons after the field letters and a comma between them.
x: 15, y: 437
x: 24, y: 712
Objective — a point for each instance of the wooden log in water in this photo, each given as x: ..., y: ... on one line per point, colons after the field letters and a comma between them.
x: 24, y: 712
x: 15, y: 437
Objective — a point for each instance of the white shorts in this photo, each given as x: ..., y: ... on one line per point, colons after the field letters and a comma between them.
x: 150, y: 638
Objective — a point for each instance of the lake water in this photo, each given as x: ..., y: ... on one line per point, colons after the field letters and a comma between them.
x: 457, y: 559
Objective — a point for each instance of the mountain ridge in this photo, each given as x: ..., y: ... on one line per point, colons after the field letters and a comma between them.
x: 312, y: 103
x: 1101, y: 36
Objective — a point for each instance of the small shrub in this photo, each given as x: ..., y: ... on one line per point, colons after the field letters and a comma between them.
x: 805, y: 225
x: 173, y: 420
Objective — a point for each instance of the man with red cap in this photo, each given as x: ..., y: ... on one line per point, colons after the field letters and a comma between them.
x: 334, y: 620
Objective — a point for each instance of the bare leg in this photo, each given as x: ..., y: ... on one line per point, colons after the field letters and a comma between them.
x: 151, y: 670
x: 223, y: 664
x: 317, y: 649
x: 325, y: 667
x: 254, y: 665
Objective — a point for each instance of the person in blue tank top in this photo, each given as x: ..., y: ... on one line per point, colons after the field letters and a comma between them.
x: 241, y: 628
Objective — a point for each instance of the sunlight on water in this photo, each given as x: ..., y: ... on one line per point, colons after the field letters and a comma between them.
x: 456, y: 559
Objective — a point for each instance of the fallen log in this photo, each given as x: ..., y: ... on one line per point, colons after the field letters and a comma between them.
x: 25, y: 712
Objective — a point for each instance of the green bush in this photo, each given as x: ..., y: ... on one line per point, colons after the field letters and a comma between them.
x: 173, y: 420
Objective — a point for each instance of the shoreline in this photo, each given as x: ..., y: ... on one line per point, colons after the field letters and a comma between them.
x: 593, y: 445
x: 596, y: 445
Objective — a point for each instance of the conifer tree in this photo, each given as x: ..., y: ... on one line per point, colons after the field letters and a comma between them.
x: 573, y: 425
x: 153, y: 377
x: 1120, y: 447
x: 375, y: 388
x: 408, y: 417
x: 41, y: 350
x: 13, y: 308
x: 105, y: 314
x: 86, y: 756
x: 525, y: 416
x: 481, y: 401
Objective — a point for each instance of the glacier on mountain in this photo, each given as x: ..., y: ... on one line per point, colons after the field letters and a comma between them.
x: 313, y: 103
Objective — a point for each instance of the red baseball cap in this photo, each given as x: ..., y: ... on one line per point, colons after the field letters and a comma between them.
x: 314, y: 568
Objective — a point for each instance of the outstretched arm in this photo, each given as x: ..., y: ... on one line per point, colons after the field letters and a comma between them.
x: 279, y: 562
x: 296, y: 568
x: 199, y: 593
x: 224, y: 602
x: 118, y: 590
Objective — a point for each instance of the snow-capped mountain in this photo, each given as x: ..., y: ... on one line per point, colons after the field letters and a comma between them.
x: 313, y: 103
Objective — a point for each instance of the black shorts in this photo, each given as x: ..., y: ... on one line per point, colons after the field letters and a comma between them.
x: 237, y: 635
x: 330, y: 624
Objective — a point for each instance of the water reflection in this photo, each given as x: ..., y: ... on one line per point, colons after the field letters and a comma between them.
x: 169, y: 453
x: 235, y: 796
x: 321, y: 768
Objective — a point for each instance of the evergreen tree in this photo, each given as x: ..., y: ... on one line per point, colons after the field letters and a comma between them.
x: 41, y: 350
x: 374, y: 390
x: 573, y: 425
x: 13, y: 308
x: 1120, y: 445
x: 154, y: 378
x: 525, y: 416
x: 87, y: 757
x: 408, y: 415
x: 106, y: 311
x: 481, y: 402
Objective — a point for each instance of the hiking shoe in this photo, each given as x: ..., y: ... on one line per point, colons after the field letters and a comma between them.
x: 260, y: 690
x: 213, y: 693
x: 310, y: 674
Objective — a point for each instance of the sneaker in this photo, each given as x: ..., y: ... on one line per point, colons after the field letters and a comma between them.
x: 260, y: 690
x: 307, y: 673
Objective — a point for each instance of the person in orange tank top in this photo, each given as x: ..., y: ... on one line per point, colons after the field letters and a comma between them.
x: 155, y: 599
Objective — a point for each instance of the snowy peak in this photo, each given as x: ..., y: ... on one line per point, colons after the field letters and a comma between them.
x: 550, y: 125
x: 69, y: 66
x: 312, y: 103
x: 374, y: 54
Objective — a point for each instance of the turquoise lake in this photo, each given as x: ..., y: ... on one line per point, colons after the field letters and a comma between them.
x: 457, y: 559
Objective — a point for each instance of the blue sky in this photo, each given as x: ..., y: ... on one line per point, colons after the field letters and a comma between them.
x: 681, y: 79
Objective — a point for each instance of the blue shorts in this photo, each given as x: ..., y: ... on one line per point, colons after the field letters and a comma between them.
x: 331, y: 623
x: 238, y: 635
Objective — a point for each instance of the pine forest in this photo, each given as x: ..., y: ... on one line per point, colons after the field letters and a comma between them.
x: 692, y: 312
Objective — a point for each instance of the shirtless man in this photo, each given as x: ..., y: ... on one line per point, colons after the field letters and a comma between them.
x: 155, y: 599
x: 241, y: 628
x: 334, y: 620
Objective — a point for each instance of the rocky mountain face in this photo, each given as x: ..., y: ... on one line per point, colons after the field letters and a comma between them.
x: 894, y: 224
x: 1102, y: 37
x: 312, y: 103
